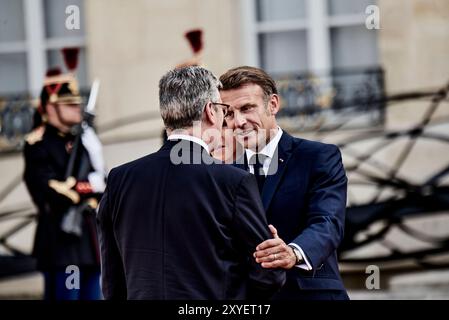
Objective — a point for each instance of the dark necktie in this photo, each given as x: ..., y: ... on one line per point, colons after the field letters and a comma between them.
x: 257, y: 161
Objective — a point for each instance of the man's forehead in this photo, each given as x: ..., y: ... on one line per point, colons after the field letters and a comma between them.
x: 248, y: 93
x: 250, y: 88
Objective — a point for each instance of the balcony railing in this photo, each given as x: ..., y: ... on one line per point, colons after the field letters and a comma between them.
x: 16, y: 119
x: 341, y: 98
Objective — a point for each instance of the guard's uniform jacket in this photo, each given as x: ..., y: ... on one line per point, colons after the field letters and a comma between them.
x: 47, y: 152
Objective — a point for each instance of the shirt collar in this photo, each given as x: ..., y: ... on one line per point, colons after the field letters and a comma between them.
x: 269, y: 148
x: 189, y: 138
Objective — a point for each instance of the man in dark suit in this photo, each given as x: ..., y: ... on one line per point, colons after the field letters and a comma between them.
x: 177, y: 225
x: 303, y: 187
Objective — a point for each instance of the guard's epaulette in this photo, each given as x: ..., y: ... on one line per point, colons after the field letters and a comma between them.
x: 35, y: 135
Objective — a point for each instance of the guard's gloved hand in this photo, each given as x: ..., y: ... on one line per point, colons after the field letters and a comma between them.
x: 66, y: 188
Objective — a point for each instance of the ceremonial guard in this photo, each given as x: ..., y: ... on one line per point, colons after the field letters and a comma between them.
x: 65, y: 176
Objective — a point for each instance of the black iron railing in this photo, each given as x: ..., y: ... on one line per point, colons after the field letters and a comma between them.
x: 16, y: 119
x: 350, y: 98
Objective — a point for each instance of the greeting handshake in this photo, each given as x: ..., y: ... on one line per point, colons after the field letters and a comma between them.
x: 275, y: 253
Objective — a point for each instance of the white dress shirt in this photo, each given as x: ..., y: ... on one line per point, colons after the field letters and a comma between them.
x: 268, y: 151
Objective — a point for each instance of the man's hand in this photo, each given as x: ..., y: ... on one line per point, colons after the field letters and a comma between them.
x: 274, y: 253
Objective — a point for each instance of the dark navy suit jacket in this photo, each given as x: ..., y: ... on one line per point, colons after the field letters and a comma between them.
x: 183, y: 231
x: 305, y: 200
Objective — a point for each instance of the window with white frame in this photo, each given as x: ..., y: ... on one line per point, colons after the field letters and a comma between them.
x: 313, y: 35
x: 322, y: 55
x: 32, y: 32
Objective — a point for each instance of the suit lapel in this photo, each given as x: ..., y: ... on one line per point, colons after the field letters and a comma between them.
x: 277, y: 169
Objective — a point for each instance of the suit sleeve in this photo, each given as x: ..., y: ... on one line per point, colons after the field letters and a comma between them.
x: 113, y: 281
x: 251, y: 229
x: 326, y: 208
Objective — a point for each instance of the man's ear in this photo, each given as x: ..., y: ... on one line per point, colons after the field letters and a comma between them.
x: 209, y: 114
x: 274, y: 104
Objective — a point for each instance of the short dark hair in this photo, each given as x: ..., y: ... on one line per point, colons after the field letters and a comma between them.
x: 240, y: 76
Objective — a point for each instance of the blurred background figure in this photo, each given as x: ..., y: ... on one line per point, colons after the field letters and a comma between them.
x: 65, y: 176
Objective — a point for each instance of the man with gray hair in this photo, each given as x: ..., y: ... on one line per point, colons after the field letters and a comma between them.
x: 172, y: 229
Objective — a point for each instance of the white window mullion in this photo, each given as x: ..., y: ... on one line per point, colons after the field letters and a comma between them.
x: 318, y: 36
x: 58, y: 43
x: 249, y: 38
x: 282, y: 26
x: 36, y: 59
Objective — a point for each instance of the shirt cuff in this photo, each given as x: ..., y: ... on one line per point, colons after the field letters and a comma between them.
x: 305, y: 265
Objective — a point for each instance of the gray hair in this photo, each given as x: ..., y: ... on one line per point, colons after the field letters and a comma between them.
x: 183, y: 93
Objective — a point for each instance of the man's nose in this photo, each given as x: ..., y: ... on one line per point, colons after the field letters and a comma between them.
x: 239, y: 120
